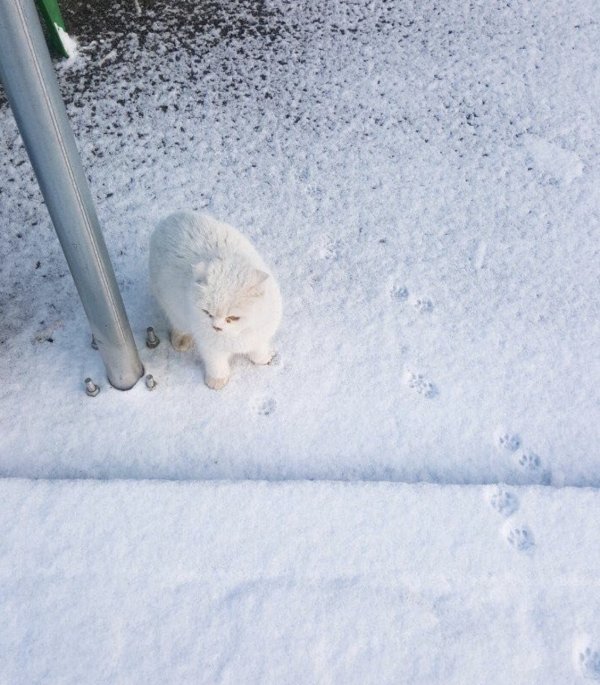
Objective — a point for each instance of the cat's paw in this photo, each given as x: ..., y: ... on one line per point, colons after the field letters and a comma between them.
x: 182, y: 342
x: 216, y: 383
x: 261, y: 358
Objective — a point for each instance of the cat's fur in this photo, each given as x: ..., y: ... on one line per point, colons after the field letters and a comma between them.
x: 205, y: 274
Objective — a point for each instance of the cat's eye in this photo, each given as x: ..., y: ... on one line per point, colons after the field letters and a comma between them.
x: 207, y: 313
x: 229, y: 319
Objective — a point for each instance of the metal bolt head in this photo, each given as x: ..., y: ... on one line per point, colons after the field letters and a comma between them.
x: 91, y: 388
x: 150, y: 382
x: 152, y: 339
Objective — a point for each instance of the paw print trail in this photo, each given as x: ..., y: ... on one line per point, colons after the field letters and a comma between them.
x: 421, y: 385
x: 264, y: 406
x: 531, y: 467
x: 423, y: 305
x: 504, y: 502
x: 589, y: 663
x: 505, y: 440
x: 519, y: 537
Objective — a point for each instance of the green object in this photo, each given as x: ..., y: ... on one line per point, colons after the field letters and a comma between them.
x: 55, y: 26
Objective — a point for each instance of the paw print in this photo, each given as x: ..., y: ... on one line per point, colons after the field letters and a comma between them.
x: 327, y: 248
x: 400, y: 293
x: 520, y: 538
x: 529, y: 461
x: 504, y: 502
x: 419, y: 383
x: 532, y: 468
x: 423, y: 306
x: 508, y: 441
x: 266, y: 406
x: 589, y: 663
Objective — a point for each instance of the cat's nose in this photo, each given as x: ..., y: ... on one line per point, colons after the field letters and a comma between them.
x: 217, y: 328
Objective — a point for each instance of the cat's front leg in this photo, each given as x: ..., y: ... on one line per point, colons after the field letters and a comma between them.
x: 181, y: 342
x: 216, y: 370
x: 261, y: 354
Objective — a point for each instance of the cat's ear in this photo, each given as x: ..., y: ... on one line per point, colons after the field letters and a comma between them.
x: 255, y: 288
x: 199, y: 271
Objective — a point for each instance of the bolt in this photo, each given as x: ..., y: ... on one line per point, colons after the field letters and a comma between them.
x: 150, y: 382
x: 151, y: 338
x: 94, y: 343
x: 91, y: 388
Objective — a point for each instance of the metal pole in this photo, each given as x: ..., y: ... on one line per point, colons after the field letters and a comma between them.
x: 32, y: 90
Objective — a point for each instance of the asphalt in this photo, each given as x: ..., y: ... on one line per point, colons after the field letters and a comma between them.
x: 106, y: 26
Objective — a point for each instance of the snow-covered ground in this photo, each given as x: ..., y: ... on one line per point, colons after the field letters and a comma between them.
x: 307, y: 583
x: 424, y: 179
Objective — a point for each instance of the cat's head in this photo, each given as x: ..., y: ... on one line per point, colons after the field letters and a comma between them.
x: 226, y: 292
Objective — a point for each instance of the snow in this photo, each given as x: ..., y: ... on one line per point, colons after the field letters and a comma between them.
x: 296, y: 583
x: 424, y: 180
x: 69, y: 43
x: 552, y: 161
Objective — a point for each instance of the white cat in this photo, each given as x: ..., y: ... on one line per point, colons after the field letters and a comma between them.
x: 216, y: 291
